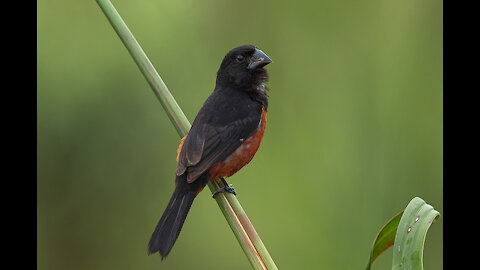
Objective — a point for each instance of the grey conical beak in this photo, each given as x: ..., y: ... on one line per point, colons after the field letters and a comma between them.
x: 258, y: 60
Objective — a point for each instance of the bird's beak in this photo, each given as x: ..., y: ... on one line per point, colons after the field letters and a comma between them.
x: 259, y: 59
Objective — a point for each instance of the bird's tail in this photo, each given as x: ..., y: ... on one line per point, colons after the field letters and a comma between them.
x: 171, y: 222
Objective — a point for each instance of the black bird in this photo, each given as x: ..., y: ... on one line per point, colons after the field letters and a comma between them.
x: 224, y: 137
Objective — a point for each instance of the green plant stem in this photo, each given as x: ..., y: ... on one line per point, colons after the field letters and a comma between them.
x: 241, y: 226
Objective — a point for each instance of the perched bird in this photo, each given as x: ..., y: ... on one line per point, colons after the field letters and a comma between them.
x: 224, y: 137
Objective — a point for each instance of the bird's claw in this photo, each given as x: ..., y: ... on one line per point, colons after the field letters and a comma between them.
x: 227, y: 188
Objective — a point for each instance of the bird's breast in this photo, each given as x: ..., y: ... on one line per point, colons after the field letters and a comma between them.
x: 243, y: 155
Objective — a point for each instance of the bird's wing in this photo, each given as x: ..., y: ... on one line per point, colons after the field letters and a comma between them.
x: 207, y: 144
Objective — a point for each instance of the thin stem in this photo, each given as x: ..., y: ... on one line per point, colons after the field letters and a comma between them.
x: 241, y: 226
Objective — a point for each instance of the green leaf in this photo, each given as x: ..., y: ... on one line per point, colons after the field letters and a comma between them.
x: 407, y: 231
x: 411, y: 233
x: 384, y: 239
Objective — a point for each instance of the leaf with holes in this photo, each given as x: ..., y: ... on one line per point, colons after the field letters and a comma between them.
x: 406, y: 231
x: 411, y: 233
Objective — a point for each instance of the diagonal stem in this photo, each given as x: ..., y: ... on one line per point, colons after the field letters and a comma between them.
x: 236, y: 217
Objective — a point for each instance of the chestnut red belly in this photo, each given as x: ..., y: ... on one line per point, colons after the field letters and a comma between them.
x: 242, y: 156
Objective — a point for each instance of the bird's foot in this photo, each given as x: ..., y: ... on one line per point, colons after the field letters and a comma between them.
x: 226, y: 188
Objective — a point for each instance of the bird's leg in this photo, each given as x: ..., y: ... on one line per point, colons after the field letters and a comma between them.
x: 226, y: 188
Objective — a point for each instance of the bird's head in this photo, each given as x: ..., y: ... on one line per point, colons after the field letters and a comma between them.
x: 244, y: 67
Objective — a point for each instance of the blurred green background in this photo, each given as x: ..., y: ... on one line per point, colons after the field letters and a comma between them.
x: 354, y: 130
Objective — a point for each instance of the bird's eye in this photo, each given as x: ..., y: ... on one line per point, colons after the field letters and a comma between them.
x: 240, y: 58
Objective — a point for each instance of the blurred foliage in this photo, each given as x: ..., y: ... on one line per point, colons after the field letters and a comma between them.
x: 355, y: 130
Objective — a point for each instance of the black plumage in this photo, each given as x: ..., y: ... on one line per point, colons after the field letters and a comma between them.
x: 229, y: 116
